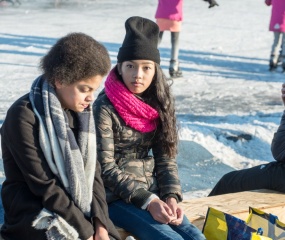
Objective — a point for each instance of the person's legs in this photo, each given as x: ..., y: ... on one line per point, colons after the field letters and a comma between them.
x: 266, y: 176
x: 140, y: 223
x: 275, y: 50
x: 282, y: 57
x: 174, y: 69
x: 174, y: 45
x: 188, y: 230
x: 160, y: 37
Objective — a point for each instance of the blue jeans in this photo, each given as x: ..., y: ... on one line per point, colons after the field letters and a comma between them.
x: 140, y: 223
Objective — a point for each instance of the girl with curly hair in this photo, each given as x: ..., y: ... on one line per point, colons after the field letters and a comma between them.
x: 53, y: 187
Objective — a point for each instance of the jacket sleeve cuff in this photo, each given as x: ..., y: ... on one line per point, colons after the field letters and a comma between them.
x: 140, y: 197
x: 152, y: 196
x: 170, y: 195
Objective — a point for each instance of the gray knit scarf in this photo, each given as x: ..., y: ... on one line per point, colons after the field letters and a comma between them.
x: 73, y: 162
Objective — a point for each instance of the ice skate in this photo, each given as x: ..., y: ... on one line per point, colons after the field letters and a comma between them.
x: 174, y: 69
x: 272, y: 64
x: 280, y: 59
x: 283, y: 67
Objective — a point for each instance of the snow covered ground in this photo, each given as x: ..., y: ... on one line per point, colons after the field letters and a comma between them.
x: 228, y: 103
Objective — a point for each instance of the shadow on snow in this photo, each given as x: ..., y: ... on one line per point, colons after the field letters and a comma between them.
x: 223, y: 65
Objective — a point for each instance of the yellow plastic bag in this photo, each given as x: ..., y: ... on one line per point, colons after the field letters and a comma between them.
x: 222, y: 226
x: 255, y: 236
x: 215, y: 226
x: 269, y: 223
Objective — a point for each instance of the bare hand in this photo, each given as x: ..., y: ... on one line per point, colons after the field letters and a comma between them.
x: 176, y: 210
x: 101, y: 232
x: 101, y: 236
x: 160, y: 211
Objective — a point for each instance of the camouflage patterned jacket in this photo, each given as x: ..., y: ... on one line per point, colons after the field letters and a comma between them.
x: 129, y: 171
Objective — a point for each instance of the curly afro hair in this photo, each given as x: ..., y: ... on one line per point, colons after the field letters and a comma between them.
x: 75, y: 57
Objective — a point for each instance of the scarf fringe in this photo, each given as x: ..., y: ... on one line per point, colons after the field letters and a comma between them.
x: 57, y: 228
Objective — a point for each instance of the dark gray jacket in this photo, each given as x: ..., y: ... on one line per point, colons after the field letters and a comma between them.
x: 278, y: 142
x: 129, y: 170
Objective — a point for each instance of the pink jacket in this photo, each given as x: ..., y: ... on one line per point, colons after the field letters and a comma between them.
x: 277, y: 21
x: 170, y: 9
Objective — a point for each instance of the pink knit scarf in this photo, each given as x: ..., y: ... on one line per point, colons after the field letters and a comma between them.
x: 132, y: 110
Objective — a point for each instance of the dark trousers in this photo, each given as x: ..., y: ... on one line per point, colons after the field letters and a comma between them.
x: 266, y: 176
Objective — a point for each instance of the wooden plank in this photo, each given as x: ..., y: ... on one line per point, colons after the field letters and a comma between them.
x: 236, y: 204
x: 124, y: 234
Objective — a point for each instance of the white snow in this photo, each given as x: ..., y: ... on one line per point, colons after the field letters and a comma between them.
x: 226, y: 90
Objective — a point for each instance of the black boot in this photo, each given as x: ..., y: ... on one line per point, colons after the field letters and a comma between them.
x: 283, y: 67
x: 280, y: 59
x: 272, y: 66
x: 174, y: 69
x: 272, y: 63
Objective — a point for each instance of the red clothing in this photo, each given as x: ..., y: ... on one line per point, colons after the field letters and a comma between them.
x: 277, y: 21
x: 169, y: 15
x: 170, y: 9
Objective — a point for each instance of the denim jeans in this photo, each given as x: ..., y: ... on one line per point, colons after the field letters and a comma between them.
x: 140, y: 223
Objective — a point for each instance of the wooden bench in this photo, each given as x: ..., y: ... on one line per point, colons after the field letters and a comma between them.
x: 236, y: 204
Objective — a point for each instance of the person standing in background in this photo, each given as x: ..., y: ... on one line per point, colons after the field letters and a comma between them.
x: 277, y: 26
x: 169, y: 17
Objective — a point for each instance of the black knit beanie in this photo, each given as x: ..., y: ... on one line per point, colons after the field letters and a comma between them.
x: 141, y: 41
